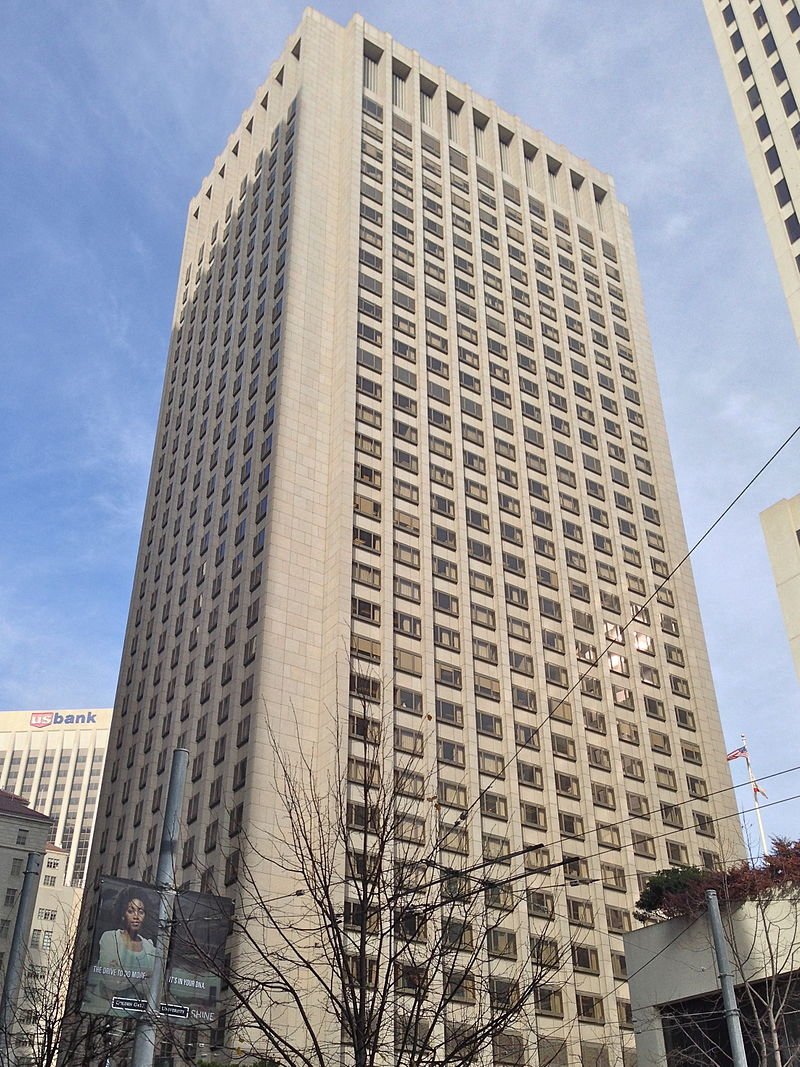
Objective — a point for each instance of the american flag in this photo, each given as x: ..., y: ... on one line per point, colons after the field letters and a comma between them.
x: 737, y: 753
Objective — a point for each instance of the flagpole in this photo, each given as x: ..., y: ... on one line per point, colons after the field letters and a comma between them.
x: 756, y: 791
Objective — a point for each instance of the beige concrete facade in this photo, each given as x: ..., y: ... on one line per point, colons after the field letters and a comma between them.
x: 22, y: 831
x: 674, y: 961
x: 41, y: 1007
x: 54, y: 760
x: 411, y: 433
x: 757, y: 46
x: 781, y: 526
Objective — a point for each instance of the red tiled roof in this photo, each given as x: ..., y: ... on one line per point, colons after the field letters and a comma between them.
x: 11, y: 804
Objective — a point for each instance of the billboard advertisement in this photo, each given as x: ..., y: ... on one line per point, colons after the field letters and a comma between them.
x: 197, y: 956
x: 124, y: 955
x: 124, y: 949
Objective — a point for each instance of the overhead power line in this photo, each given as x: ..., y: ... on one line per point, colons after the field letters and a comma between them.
x: 623, y: 629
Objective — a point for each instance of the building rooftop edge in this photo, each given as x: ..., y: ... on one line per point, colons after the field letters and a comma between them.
x: 11, y: 804
x: 312, y: 14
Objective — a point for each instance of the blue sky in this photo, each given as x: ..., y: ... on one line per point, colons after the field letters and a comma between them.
x: 112, y: 113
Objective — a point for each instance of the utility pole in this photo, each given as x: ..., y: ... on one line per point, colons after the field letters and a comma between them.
x: 16, y: 955
x: 144, y: 1046
x: 732, y: 1017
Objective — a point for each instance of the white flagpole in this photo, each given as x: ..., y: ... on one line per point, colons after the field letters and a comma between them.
x: 754, y: 786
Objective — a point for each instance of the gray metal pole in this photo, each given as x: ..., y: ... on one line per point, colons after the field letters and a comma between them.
x: 725, y: 973
x: 16, y: 955
x: 144, y: 1046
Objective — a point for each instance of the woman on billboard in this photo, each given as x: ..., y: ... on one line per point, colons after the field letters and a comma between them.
x: 125, y: 958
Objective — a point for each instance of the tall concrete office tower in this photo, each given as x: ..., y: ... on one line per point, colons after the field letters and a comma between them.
x: 758, y: 49
x: 781, y: 526
x: 411, y: 458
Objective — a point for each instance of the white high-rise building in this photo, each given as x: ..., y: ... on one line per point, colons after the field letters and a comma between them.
x: 759, y: 50
x: 22, y: 831
x: 54, y: 761
x: 781, y: 525
x: 411, y: 456
x: 757, y: 44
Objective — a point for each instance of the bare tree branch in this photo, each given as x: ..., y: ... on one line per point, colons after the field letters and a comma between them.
x: 390, y: 943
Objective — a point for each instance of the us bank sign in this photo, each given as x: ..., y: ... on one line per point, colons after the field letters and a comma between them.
x: 42, y: 719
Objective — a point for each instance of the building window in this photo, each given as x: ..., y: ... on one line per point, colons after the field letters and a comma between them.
x: 571, y: 825
x: 643, y: 845
x: 579, y: 912
x: 240, y: 774
x: 612, y: 876
x: 548, y: 1001
x: 678, y: 853
x: 370, y: 74
x: 489, y: 725
x: 704, y: 824
x: 398, y: 90
x: 426, y: 106
x: 618, y: 920
x: 496, y: 848
x: 585, y: 959
x: 452, y: 124
x: 451, y: 753
x: 502, y: 943
x: 590, y: 1008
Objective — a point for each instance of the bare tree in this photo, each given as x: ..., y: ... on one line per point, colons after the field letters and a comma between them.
x: 760, y: 904
x: 44, y: 1030
x: 388, y: 942
x: 772, y: 951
